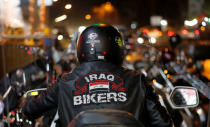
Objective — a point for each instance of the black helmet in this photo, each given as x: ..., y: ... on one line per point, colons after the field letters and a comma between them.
x: 175, y: 41
x: 100, y: 42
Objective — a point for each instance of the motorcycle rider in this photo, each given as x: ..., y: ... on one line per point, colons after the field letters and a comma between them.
x: 99, y: 82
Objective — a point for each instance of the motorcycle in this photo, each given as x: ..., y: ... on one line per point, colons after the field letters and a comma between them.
x: 151, y: 66
x: 16, y: 83
x: 180, y: 75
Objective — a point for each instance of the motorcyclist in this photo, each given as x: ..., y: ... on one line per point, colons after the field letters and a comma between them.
x: 175, y: 41
x: 99, y: 82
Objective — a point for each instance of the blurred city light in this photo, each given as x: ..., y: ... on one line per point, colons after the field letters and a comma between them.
x: 184, y: 32
x: 203, y: 28
x: 108, y: 7
x: 102, y: 11
x: 165, y: 71
x: 60, y: 37
x: 155, y: 20
x: 206, y: 19
x: 68, y: 6
x: 46, y: 2
x: 88, y: 17
x: 170, y: 33
x: 163, y: 22
x: 81, y: 28
x: 60, y: 18
x: 155, y: 33
x: 145, y: 31
x: 55, y: 0
x: 140, y: 40
x: 173, y: 38
x: 203, y: 23
x: 133, y: 25
x: 152, y: 40
x: 200, y: 111
x: 191, y: 23
x: 71, y: 35
x: 197, y: 32
x: 54, y: 31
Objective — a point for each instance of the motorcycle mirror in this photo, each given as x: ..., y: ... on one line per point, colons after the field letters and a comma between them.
x: 184, y: 97
x: 34, y: 92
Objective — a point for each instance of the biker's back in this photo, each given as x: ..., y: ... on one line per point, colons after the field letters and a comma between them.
x: 99, y: 82
x: 100, y: 85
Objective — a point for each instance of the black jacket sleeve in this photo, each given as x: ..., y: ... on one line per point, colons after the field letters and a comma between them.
x: 35, y: 107
x: 154, y: 115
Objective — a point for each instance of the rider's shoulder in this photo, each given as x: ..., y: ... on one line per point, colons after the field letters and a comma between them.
x: 132, y: 72
x: 65, y: 76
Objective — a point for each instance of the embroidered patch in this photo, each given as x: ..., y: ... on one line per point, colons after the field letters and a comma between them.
x: 118, y: 40
x: 99, y: 87
x: 93, y: 36
x: 92, y: 39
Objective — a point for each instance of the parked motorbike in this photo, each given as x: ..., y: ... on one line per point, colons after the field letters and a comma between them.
x: 179, y: 75
x: 39, y: 74
x: 16, y: 83
x: 153, y: 68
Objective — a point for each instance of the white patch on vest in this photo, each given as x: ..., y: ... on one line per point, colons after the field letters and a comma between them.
x: 93, y: 77
x: 100, y: 76
x: 110, y: 77
x: 100, y: 98
x: 99, y: 90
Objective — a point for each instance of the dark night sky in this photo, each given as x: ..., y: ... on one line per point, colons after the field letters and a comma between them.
x: 128, y: 10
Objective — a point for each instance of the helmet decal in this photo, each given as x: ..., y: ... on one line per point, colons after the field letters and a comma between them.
x: 93, y: 36
x: 118, y: 40
x: 92, y: 39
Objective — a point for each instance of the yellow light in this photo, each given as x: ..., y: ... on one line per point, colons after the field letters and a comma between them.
x: 154, y: 80
x: 68, y: 6
x: 88, y: 17
x: 190, y: 60
x: 165, y: 71
x: 166, y: 49
x: 160, y: 33
x: 206, y: 68
x: 108, y: 6
x: 128, y: 58
x: 34, y: 93
x: 102, y: 24
x: 168, y: 76
x: 203, y: 28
